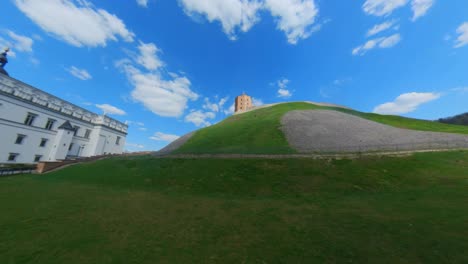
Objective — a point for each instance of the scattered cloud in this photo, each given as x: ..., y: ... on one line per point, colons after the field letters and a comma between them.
x: 234, y: 15
x: 134, y: 146
x: 406, y: 103
x: 295, y: 17
x: 163, y: 95
x: 148, y: 56
x: 462, y: 39
x: 140, y: 125
x: 81, y: 74
x: 142, y: 3
x: 460, y: 89
x: 230, y: 110
x: 200, y: 118
x: 110, y: 110
x: 78, y: 23
x: 384, y: 42
x: 386, y: 7
x: 283, y: 92
x: 216, y: 106
x: 159, y: 136
x: 420, y: 8
x: 21, y: 43
x: 380, y: 28
x: 382, y: 7
x: 256, y: 102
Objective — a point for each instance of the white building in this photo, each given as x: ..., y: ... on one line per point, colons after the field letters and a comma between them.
x: 36, y: 126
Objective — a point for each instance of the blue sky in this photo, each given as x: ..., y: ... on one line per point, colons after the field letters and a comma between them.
x: 169, y: 67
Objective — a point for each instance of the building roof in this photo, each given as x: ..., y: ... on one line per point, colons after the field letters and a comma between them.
x: 67, y: 126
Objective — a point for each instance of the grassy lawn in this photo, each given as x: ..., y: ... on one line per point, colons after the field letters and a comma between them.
x: 258, y: 132
x: 147, y: 210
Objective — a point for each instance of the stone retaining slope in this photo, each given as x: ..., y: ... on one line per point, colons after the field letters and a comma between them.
x: 310, y: 131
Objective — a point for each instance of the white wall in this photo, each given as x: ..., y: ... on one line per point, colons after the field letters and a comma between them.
x: 13, y: 113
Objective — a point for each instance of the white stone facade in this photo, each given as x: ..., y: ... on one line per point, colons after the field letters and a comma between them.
x: 36, y: 126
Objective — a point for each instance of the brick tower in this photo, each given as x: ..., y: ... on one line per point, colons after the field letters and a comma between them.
x: 243, y: 103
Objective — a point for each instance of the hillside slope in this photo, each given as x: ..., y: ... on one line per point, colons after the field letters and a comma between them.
x: 456, y: 120
x: 259, y: 131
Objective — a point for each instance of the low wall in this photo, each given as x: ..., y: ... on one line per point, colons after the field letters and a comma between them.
x: 46, y: 166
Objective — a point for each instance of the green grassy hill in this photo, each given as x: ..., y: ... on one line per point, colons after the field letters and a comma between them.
x: 148, y: 210
x: 258, y: 132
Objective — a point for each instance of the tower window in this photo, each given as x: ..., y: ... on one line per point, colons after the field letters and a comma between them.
x: 117, y: 141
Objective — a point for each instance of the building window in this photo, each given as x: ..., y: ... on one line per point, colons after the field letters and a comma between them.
x: 12, y: 156
x: 37, y: 158
x: 30, y: 119
x: 20, y: 139
x: 43, y: 142
x: 50, y: 124
x: 70, y: 147
x: 87, y: 133
x: 77, y: 128
x: 117, y: 141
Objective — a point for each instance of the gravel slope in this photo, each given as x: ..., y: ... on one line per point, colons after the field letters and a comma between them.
x: 175, y: 145
x: 326, y: 130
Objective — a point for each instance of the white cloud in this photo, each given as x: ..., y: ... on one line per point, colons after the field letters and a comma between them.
x: 21, y: 43
x: 210, y: 106
x: 135, y: 146
x: 148, y: 56
x: 216, y: 106
x: 283, y: 92
x: 382, y: 7
x: 460, y: 89
x: 420, y: 8
x: 380, y: 28
x: 142, y: 3
x: 81, y: 74
x: 295, y: 17
x: 162, y: 96
x: 234, y: 15
x: 406, y: 103
x: 110, y: 110
x: 389, y: 42
x: 384, y: 42
x: 78, y: 22
x: 230, y: 110
x: 255, y: 102
x: 200, y: 118
x: 462, y: 39
x: 159, y: 136
x: 386, y: 7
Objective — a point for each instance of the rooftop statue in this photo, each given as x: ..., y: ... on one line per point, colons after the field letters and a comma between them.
x: 4, y: 60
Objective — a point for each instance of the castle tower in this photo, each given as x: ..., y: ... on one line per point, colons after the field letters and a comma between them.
x: 243, y: 103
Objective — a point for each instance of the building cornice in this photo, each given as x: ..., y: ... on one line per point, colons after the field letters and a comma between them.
x: 24, y: 92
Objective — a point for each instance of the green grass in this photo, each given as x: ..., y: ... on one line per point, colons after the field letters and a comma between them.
x: 258, y: 132
x: 147, y: 210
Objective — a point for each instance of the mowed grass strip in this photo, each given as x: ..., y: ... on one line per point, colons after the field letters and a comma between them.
x: 147, y: 210
x: 258, y: 132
